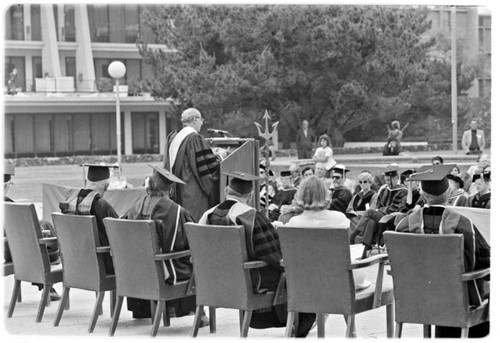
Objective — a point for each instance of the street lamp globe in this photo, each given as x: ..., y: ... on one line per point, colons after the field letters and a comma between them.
x: 116, y: 69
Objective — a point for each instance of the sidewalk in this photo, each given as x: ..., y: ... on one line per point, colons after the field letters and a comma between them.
x: 21, y: 327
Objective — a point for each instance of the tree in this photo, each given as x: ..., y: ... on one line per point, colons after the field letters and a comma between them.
x: 341, y: 67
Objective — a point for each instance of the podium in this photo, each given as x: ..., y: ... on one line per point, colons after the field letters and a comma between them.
x: 243, y: 157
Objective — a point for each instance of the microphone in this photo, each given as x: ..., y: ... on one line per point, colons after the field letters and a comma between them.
x: 219, y: 132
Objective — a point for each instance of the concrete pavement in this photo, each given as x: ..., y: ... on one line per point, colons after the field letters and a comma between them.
x: 21, y: 327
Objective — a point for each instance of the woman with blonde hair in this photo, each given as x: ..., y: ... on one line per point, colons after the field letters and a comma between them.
x: 364, y: 197
x: 314, y: 198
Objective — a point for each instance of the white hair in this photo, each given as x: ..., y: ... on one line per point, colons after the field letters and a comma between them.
x: 189, y: 115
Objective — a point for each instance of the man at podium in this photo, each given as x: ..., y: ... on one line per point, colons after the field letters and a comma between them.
x: 191, y: 159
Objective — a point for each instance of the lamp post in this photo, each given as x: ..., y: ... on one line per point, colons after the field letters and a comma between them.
x: 117, y: 70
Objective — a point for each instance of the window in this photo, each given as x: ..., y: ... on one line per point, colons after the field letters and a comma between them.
x: 14, y: 23
x: 37, y: 70
x: 133, y: 66
x: 69, y: 23
x: 99, y: 22
x: 484, y: 34
x: 36, y: 23
x: 17, y: 77
x: 71, y: 68
x: 145, y: 133
x: 131, y: 23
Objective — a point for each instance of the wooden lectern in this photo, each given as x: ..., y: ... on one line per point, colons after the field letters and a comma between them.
x: 243, y: 156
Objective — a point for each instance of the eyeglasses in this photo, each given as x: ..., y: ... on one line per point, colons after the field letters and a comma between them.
x: 364, y: 181
x: 336, y: 177
x: 200, y: 118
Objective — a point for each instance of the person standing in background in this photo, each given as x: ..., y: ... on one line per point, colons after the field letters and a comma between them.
x: 473, y: 140
x: 305, y: 140
x: 11, y: 82
x: 324, y: 152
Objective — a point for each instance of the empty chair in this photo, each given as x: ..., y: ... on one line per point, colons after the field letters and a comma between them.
x: 430, y: 283
x: 222, y: 273
x: 82, y: 260
x: 139, y: 267
x: 29, y: 253
x: 319, y: 278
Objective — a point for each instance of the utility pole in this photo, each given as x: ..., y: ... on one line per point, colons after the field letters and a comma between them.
x: 454, y: 78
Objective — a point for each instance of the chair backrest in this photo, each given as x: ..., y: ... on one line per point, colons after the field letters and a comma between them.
x: 426, y: 272
x: 78, y: 238
x: 218, y: 254
x: 31, y: 259
x: 134, y: 244
x: 316, y: 261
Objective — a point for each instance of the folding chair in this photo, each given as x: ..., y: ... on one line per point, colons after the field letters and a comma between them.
x: 29, y: 253
x: 319, y: 278
x: 222, y: 273
x: 430, y: 283
x: 82, y: 260
x: 139, y: 267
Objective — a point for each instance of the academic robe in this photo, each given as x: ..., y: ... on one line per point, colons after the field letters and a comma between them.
x: 198, y: 167
x: 262, y: 244
x: 341, y: 197
x: 282, y: 197
x: 169, y: 221
x: 444, y: 220
x: 389, y: 200
x: 360, y: 200
x: 89, y: 202
x: 261, y: 239
x: 479, y: 201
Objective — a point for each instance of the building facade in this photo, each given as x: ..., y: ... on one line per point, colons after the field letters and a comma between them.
x: 58, y: 93
x: 59, y: 98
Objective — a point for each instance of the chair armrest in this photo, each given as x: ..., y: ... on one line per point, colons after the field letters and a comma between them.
x: 476, y: 274
x: 101, y: 250
x: 254, y: 264
x: 369, y: 261
x: 48, y: 240
x: 172, y: 255
x: 377, y: 259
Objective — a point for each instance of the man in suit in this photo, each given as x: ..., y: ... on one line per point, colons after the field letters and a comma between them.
x: 473, y: 140
x: 305, y: 140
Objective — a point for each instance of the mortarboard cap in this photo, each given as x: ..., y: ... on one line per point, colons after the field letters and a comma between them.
x: 241, y: 182
x: 339, y: 168
x: 391, y: 170
x: 433, y: 178
x: 285, y: 173
x: 456, y: 179
x: 486, y: 175
x: 408, y: 172
x: 166, y: 176
x: 97, y: 172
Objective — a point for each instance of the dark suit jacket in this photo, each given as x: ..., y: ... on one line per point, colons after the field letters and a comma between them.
x: 305, y: 144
